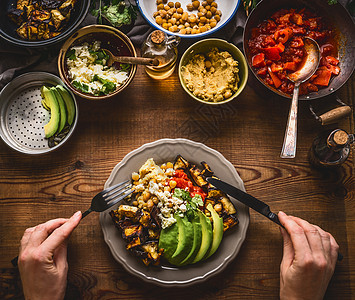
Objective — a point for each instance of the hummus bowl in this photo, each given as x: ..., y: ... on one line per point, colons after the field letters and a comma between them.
x: 210, y: 85
x: 167, y: 275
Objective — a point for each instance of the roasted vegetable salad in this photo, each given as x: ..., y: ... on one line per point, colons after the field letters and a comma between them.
x: 174, y: 214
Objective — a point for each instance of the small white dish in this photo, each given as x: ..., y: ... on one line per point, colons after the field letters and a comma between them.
x: 166, y: 150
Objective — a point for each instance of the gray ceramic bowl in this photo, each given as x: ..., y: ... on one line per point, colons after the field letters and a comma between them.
x: 205, y: 46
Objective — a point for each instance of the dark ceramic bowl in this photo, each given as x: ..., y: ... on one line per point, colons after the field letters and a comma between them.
x: 337, y: 17
x: 8, y: 27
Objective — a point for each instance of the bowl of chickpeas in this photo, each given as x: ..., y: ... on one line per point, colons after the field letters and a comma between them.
x: 188, y: 18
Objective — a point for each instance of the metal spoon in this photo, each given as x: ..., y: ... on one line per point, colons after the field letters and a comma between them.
x: 309, y: 66
x: 130, y: 59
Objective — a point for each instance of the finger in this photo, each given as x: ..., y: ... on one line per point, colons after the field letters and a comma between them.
x: 334, y: 249
x: 62, y: 233
x: 288, y: 251
x: 297, y: 235
x: 325, y: 236
x: 60, y: 257
x: 26, y: 236
x: 41, y: 231
x: 313, y: 237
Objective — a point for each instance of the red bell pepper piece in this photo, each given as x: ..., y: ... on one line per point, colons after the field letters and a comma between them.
x: 297, y: 19
x: 276, y: 68
x: 272, y: 53
x: 258, y: 60
x: 262, y: 71
x: 290, y: 65
x: 277, y: 82
x: 332, y: 60
x: 334, y: 69
x: 323, y: 77
x: 283, y: 35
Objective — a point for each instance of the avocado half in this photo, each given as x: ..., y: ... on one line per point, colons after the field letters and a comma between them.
x: 52, y: 103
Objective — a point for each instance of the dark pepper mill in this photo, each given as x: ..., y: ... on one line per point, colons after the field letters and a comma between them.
x: 330, y: 149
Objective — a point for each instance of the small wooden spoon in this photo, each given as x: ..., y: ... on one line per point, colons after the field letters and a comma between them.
x: 130, y: 60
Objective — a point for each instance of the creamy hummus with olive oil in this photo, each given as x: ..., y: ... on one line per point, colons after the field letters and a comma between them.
x: 213, y: 76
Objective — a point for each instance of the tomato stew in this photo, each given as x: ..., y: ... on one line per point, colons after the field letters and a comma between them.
x: 277, y: 49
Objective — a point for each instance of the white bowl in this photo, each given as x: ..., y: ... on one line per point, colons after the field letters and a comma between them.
x: 168, y: 276
x: 227, y: 7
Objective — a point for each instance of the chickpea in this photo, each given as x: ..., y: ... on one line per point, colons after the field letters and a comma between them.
x: 177, y: 4
x: 218, y: 12
x: 172, y: 183
x: 209, y: 1
x: 171, y: 29
x: 217, y: 18
x: 150, y: 204
x: 165, y: 1
x: 213, y: 23
x: 192, y: 19
x: 140, y: 199
x: 175, y: 15
x: 218, y: 207
x: 196, y: 4
x: 200, y: 8
x: 135, y: 203
x: 213, y: 10
x: 155, y: 14
x: 193, y: 31
x: 169, y: 25
x: 163, y: 166
x: 159, y: 2
x: 203, y: 20
x: 180, y: 11
x: 208, y: 26
x: 190, y: 7
x: 214, y: 4
x: 199, y: 14
x: 135, y: 176
x: 204, y: 11
x: 162, y: 13
x: 165, y: 25
x: 204, y: 3
x: 155, y: 200
x: 169, y: 165
x: 181, y: 26
x: 208, y: 64
x: 145, y: 206
x: 208, y: 15
x: 203, y: 29
x: 167, y: 188
x: 159, y: 20
x: 160, y: 6
x: 182, y: 31
x: 227, y: 94
x: 171, y: 4
x: 184, y: 17
x: 166, y: 7
x: 188, y: 30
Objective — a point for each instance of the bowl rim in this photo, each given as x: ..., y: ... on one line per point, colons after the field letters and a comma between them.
x: 73, y: 38
x: 188, y: 36
x: 242, y: 61
x: 40, y: 74
x: 54, y: 40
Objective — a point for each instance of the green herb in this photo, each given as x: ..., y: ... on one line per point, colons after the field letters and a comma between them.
x: 182, y: 194
x: 125, y: 67
x: 332, y: 2
x: 197, y: 200
x: 116, y: 12
x: 81, y: 87
x: 107, y: 86
x: 71, y: 54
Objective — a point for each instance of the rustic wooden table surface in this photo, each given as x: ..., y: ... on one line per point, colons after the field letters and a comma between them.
x: 248, y: 132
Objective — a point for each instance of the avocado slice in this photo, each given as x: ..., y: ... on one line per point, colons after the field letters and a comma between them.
x: 62, y: 108
x: 207, y: 237
x: 217, y: 230
x: 168, y: 240
x: 51, y: 101
x: 69, y: 103
x: 186, y: 236
x: 196, y: 241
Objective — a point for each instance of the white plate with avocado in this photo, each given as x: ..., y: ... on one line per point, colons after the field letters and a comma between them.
x: 166, y: 150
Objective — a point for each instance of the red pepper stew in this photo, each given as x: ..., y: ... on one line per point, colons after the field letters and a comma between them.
x: 276, y: 46
x: 183, y: 182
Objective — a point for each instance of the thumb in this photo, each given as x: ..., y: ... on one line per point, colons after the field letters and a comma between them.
x: 62, y: 233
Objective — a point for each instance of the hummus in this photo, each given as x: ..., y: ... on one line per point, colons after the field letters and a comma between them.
x: 213, y: 76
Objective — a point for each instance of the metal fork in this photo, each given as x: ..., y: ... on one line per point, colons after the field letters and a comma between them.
x: 109, y: 197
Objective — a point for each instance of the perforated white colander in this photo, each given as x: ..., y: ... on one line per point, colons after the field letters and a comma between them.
x: 22, y: 115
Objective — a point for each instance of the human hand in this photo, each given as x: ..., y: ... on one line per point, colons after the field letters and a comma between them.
x: 43, y: 258
x: 309, y: 259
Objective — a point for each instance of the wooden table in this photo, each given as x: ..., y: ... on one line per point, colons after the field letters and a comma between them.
x: 248, y: 132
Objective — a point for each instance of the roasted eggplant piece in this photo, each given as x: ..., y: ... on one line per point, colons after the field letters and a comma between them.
x: 181, y: 163
x: 197, y: 177
x: 228, y: 205
x: 229, y: 221
x: 41, y: 19
x: 207, y: 172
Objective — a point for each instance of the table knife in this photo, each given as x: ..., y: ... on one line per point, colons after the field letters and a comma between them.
x: 245, y: 198
x: 249, y: 201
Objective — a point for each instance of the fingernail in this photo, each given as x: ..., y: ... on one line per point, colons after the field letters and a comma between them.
x: 282, y: 213
x: 77, y: 214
